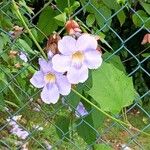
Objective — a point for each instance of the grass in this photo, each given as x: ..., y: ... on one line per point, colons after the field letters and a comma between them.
x: 48, y: 135
x: 116, y: 136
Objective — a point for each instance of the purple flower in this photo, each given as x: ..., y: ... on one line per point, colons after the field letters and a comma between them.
x: 76, y: 57
x: 12, y: 121
x: 22, y: 134
x: 80, y: 110
x: 18, y: 131
x: 52, y: 82
x: 23, y: 57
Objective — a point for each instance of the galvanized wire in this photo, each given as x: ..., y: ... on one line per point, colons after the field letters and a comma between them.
x: 47, y: 116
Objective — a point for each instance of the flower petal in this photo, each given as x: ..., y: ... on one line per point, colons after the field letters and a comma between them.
x: 76, y: 75
x: 50, y: 55
x: 63, y: 84
x: 23, y: 57
x: 45, y: 66
x: 61, y: 63
x: 50, y: 94
x: 93, y: 59
x: 67, y: 45
x: 38, y: 79
x: 86, y: 42
x: 80, y: 110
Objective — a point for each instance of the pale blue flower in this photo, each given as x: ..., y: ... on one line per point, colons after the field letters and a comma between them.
x: 52, y: 82
x: 22, y: 134
x: 16, y: 129
x: 23, y: 56
x: 50, y: 55
x: 80, y: 110
x: 77, y: 56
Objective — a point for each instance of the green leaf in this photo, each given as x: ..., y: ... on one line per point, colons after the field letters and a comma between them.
x: 46, y: 23
x: 121, y: 1
x: 146, y: 6
x: 73, y: 99
x: 112, y: 89
x: 121, y: 17
x: 88, y: 83
x: 90, y: 20
x: 112, y: 4
x: 67, y: 6
x: 2, y: 86
x: 5, y: 22
x: 2, y: 102
x: 146, y: 54
x: 97, y: 121
x: 90, y: 124
x: 71, y: 8
x: 63, y: 4
x: 143, y: 19
x: 5, y: 57
x: 61, y: 19
x: 74, y: 6
x: 62, y: 127
x: 28, y: 9
x: 102, y: 147
x: 4, y: 39
x: 1, y: 44
x: 35, y: 33
x: 4, y: 80
x: 103, y: 11
x: 102, y: 39
x: 11, y: 104
x: 24, y: 46
x: 84, y: 129
x: 115, y: 60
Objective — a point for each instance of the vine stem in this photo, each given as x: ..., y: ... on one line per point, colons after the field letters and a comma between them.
x: 29, y: 31
x: 69, y: 8
x: 106, y: 114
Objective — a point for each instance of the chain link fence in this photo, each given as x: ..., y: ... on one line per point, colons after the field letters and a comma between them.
x: 51, y: 118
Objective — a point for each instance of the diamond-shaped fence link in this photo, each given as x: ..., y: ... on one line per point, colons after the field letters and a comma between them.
x: 34, y: 112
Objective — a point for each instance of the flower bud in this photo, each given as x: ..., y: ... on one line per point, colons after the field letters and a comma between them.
x: 17, y: 31
x: 13, y: 54
x: 72, y: 27
x: 52, y: 43
x: 146, y: 39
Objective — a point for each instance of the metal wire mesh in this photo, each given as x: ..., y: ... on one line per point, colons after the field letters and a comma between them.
x: 49, y: 113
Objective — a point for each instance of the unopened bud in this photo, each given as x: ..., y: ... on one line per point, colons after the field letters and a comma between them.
x: 52, y: 43
x: 146, y: 39
x: 72, y: 27
x: 17, y: 31
x: 17, y: 65
x: 13, y: 54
